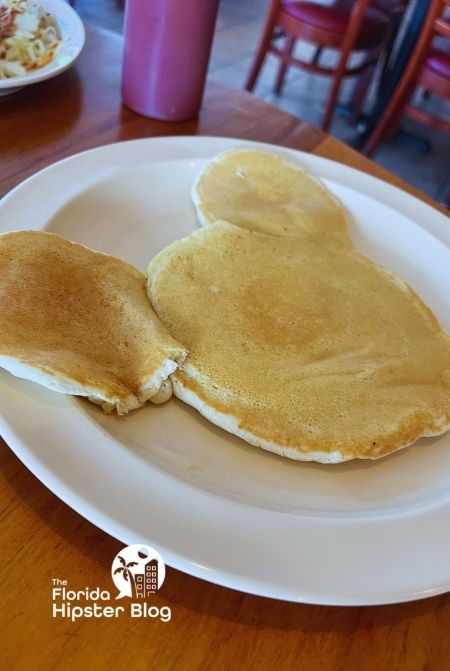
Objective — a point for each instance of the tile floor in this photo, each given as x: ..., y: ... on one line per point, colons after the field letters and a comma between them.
x: 238, y: 29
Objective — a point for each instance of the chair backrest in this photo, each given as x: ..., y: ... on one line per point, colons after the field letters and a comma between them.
x: 441, y: 24
x: 436, y: 23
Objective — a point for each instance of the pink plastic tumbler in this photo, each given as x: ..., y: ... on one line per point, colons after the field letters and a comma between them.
x: 167, y: 46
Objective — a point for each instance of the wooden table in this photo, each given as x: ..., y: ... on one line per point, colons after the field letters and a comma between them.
x: 212, y: 627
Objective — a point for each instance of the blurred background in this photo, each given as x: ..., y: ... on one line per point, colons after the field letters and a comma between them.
x: 421, y: 156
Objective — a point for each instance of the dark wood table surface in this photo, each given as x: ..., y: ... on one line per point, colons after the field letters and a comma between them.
x: 42, y: 538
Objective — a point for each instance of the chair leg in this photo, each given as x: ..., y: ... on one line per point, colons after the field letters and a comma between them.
x: 393, y: 111
x: 263, y: 46
x: 317, y: 55
x: 359, y: 94
x: 385, y: 128
x: 354, y: 27
x: 288, y: 49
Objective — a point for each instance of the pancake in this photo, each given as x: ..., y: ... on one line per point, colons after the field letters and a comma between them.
x: 311, y: 353
x: 79, y: 322
x: 262, y: 192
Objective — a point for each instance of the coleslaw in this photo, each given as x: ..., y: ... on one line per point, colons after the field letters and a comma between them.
x: 29, y: 37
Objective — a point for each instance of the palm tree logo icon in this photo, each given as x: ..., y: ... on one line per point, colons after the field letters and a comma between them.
x: 138, y: 571
x: 126, y: 573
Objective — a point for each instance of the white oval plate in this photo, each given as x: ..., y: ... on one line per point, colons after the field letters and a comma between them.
x: 213, y: 506
x: 73, y: 37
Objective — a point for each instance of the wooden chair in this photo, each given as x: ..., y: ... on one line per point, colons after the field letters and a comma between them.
x: 345, y: 25
x: 428, y: 67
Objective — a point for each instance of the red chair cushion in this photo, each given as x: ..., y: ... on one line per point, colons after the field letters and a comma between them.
x: 335, y: 18
x: 439, y: 61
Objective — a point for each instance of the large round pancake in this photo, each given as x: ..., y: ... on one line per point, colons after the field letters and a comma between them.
x: 79, y: 322
x: 262, y: 192
x: 313, y: 353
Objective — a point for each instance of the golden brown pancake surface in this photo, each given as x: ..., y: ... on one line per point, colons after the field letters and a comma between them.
x: 80, y: 322
x: 262, y: 192
x: 308, y: 352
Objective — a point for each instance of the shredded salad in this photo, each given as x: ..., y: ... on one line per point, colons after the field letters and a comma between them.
x: 29, y: 37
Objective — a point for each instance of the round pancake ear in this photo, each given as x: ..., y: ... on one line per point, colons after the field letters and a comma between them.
x: 263, y: 192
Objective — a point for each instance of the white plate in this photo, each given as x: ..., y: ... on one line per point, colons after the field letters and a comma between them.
x: 213, y: 506
x: 73, y: 36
